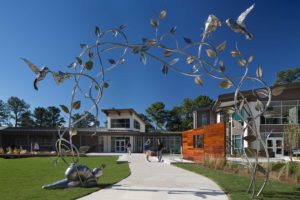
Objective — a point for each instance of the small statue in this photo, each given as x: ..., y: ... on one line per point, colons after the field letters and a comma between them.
x: 78, y: 175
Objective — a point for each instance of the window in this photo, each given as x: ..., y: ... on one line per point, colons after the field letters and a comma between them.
x: 137, y: 124
x: 198, y: 141
x: 283, y: 112
x: 120, y: 123
x: 237, y: 143
x: 204, y: 119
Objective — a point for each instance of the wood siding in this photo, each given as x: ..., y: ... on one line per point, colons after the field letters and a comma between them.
x: 214, y: 142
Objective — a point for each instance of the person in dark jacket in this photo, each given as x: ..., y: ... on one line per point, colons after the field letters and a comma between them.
x: 160, y: 146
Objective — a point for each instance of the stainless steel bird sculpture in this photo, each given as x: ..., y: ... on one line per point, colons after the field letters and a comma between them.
x: 40, y: 72
x: 239, y: 26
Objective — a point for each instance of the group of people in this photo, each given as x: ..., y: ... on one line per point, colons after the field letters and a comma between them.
x: 146, y: 148
x: 147, y: 151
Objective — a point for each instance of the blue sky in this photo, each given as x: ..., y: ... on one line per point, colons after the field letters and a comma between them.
x: 49, y: 33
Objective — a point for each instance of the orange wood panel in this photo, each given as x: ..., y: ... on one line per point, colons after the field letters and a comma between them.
x: 214, y: 142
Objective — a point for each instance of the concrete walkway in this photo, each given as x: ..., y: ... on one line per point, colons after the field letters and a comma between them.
x: 159, y: 181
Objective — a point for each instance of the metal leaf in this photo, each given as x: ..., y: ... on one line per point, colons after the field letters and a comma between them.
x: 105, y: 85
x: 83, y: 46
x: 73, y: 132
x: 229, y: 110
x: 259, y: 105
x: 136, y: 50
x: 198, y: 80
x: 97, y: 31
x: 259, y: 72
x: 190, y: 59
x: 154, y: 23
x: 123, y: 26
x: 89, y: 65
x: 210, y: 53
x: 174, y: 61
x: 250, y: 138
x: 151, y: 42
x: 111, y: 61
x: 162, y: 14
x: 187, y: 40
x: 76, y: 105
x: 222, y: 66
x: 64, y: 108
x: 221, y: 47
x: 277, y: 90
x: 79, y: 60
x: 143, y: 58
x: 235, y: 53
x: 173, y: 30
x: 262, y: 93
x: 250, y: 59
x: 168, y: 53
x: 226, y: 84
x: 165, y: 69
x: 242, y: 62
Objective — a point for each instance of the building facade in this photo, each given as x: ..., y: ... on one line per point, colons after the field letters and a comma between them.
x: 123, y: 126
x: 273, y: 128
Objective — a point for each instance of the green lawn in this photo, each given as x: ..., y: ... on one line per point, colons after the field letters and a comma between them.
x: 235, y: 185
x: 23, y: 178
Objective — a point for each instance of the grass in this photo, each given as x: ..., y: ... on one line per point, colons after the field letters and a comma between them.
x: 23, y: 178
x: 235, y: 185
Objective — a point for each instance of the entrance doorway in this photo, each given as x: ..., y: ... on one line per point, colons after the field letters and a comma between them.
x: 120, y: 145
x: 275, y: 145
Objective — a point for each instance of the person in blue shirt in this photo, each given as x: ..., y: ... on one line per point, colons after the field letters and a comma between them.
x: 147, y: 149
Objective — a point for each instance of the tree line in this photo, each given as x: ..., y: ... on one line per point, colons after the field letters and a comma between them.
x: 16, y: 112
x: 178, y: 118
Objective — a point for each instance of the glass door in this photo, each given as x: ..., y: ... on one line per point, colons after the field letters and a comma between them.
x: 120, y: 145
x: 275, y: 145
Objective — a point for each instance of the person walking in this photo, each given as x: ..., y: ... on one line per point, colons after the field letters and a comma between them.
x: 160, y: 146
x: 128, y: 146
x: 36, y: 148
x: 147, y: 149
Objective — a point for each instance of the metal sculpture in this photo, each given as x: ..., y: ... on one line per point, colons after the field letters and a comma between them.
x: 170, y: 55
x: 78, y: 175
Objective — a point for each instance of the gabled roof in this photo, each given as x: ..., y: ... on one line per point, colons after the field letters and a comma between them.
x: 119, y: 111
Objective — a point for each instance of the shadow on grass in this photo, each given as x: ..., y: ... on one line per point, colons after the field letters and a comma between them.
x: 281, y: 195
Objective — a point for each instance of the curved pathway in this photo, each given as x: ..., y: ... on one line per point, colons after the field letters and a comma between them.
x: 159, y: 181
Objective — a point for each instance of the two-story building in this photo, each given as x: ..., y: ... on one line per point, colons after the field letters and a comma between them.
x: 285, y: 109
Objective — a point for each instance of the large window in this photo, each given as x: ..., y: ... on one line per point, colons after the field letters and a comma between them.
x: 137, y: 124
x: 283, y: 112
x: 120, y: 123
x: 198, y: 141
x: 204, y: 119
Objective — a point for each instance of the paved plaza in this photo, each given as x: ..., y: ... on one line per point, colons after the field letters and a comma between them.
x: 159, y: 181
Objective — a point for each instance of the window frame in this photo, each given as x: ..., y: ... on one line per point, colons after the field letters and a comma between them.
x: 196, y: 138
